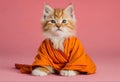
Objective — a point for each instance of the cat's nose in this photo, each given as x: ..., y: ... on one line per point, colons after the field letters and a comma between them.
x: 58, y: 27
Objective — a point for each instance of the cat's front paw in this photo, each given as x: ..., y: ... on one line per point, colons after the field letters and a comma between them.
x: 38, y: 72
x: 68, y: 72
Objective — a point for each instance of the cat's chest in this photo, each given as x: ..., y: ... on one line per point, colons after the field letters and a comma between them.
x: 61, y: 50
x: 58, y: 43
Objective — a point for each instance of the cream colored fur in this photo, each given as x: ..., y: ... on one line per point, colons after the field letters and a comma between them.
x: 38, y: 72
x: 58, y: 38
x: 68, y: 72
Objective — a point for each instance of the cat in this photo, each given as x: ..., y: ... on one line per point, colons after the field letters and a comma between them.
x: 58, y: 24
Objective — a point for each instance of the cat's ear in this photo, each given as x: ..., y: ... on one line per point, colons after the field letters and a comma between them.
x: 47, y: 10
x: 70, y: 10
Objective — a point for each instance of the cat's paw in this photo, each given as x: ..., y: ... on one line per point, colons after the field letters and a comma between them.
x: 68, y: 72
x: 38, y: 72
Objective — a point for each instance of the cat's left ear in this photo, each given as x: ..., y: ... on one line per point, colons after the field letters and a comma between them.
x: 47, y: 10
x: 70, y: 10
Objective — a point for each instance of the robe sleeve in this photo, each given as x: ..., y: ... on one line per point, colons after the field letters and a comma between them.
x: 79, y: 60
x: 42, y: 58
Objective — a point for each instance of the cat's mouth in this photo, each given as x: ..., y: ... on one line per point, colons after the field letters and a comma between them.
x: 58, y: 29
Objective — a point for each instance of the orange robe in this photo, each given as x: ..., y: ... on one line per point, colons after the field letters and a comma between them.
x: 73, y: 58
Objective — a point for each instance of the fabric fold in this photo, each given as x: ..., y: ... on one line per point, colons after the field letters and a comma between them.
x: 73, y: 58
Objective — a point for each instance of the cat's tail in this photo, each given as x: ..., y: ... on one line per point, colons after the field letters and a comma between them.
x: 24, y: 68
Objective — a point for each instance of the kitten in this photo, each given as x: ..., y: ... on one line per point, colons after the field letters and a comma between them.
x: 58, y: 24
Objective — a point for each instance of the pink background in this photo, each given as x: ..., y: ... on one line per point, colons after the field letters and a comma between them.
x: 98, y: 27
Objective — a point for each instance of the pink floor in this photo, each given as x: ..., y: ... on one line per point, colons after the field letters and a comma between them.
x: 108, y: 69
x: 98, y: 27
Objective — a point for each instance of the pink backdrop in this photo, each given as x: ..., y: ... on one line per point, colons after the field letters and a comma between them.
x: 98, y: 27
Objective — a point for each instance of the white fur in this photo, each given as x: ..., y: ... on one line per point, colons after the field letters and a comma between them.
x: 68, y: 73
x: 58, y: 37
x: 37, y: 72
x: 58, y: 43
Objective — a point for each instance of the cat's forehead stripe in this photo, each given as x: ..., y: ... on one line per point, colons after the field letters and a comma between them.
x: 58, y: 12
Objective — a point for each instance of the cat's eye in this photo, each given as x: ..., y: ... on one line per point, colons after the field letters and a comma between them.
x: 53, y: 21
x: 64, y: 21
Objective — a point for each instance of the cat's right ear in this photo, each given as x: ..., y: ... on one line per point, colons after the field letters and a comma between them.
x: 47, y: 10
x: 70, y: 11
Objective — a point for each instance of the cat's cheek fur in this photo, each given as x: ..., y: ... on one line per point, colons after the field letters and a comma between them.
x: 68, y: 73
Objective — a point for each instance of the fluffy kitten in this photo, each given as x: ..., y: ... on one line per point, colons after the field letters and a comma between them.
x: 58, y: 24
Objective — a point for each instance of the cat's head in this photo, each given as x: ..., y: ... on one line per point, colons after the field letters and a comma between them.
x: 58, y: 22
